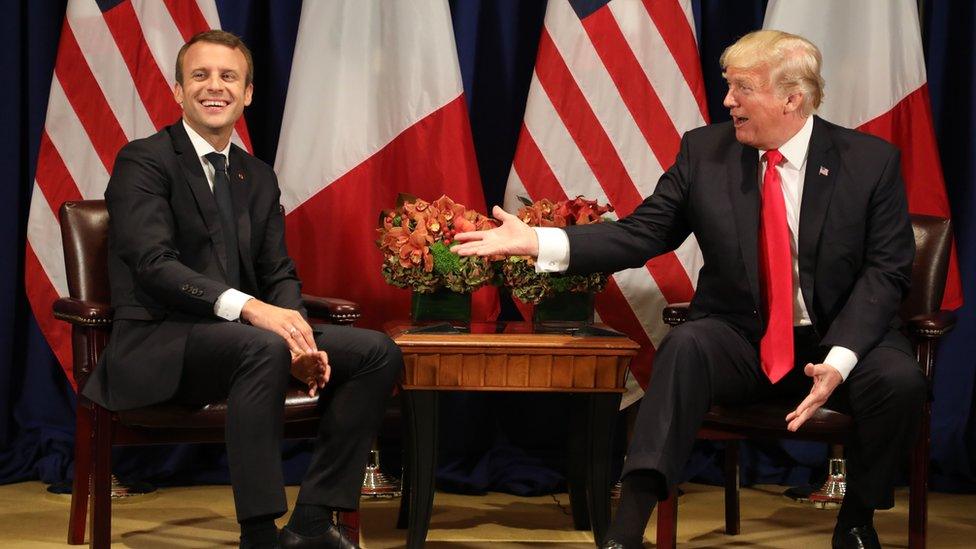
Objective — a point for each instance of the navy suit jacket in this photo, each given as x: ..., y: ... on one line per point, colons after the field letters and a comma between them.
x: 167, y: 260
x: 855, y: 238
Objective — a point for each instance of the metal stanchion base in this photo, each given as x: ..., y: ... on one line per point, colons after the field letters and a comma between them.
x: 122, y: 491
x: 375, y: 483
x: 828, y: 496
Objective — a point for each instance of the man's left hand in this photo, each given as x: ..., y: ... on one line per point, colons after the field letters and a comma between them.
x: 312, y: 369
x: 826, y: 378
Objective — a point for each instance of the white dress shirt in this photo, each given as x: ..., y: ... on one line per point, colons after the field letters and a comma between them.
x: 229, y: 304
x: 554, y: 243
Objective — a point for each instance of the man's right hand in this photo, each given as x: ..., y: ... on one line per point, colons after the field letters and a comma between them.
x: 287, y: 323
x: 513, y: 237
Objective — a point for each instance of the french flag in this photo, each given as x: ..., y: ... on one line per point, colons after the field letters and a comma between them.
x: 375, y: 107
x: 875, y: 71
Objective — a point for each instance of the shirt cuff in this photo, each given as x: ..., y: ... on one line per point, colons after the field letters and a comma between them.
x: 842, y: 359
x: 553, y: 250
x: 230, y: 303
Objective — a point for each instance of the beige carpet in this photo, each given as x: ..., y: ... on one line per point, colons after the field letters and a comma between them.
x: 203, y: 517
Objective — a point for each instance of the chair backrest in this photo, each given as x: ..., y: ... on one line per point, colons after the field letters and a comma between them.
x: 84, y: 237
x: 933, y: 241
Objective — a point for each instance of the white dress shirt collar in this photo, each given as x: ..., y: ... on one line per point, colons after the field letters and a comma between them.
x: 795, y: 149
x: 202, y: 146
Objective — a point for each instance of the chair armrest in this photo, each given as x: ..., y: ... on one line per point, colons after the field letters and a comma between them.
x: 334, y: 310
x: 675, y: 314
x: 931, y: 325
x: 83, y: 313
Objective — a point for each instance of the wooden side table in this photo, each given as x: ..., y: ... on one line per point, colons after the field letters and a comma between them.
x: 512, y: 356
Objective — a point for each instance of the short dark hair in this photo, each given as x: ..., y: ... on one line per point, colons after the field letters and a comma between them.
x: 216, y: 36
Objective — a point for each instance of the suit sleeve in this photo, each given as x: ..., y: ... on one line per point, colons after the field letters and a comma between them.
x: 886, y: 273
x: 277, y: 278
x: 143, y: 226
x: 658, y: 225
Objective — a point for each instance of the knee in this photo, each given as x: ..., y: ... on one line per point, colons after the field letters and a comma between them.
x: 679, y: 346
x: 386, y: 352
x: 907, y: 384
x: 267, y: 352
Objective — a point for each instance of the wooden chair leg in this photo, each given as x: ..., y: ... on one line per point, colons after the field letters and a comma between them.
x: 101, y: 489
x: 667, y: 521
x: 348, y: 522
x: 919, y: 484
x: 732, y: 519
x: 81, y: 484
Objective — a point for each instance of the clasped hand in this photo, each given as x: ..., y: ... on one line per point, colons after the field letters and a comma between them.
x: 308, y: 364
x: 826, y: 378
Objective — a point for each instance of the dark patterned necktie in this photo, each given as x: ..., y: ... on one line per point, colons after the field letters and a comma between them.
x: 228, y: 221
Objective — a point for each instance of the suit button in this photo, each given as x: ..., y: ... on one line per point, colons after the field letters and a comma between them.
x: 755, y: 312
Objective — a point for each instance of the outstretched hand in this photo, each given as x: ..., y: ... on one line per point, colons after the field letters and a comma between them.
x: 826, y: 378
x: 312, y: 369
x: 512, y: 237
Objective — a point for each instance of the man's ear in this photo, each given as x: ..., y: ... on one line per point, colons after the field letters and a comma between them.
x: 793, y: 102
x: 178, y: 94
x: 248, y: 92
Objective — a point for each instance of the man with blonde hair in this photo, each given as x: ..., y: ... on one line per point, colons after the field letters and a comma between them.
x: 808, y: 248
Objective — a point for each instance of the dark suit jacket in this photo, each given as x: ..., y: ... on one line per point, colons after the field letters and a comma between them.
x: 855, y: 237
x: 167, y: 259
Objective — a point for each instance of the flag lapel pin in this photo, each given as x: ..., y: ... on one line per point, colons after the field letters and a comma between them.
x: 824, y: 171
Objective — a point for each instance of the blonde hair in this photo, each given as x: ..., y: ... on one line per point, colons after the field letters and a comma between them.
x: 793, y: 63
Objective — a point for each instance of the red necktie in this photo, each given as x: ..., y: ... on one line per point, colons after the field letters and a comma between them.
x: 776, y: 275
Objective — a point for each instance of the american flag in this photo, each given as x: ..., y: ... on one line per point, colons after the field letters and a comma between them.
x: 616, y: 84
x: 112, y: 83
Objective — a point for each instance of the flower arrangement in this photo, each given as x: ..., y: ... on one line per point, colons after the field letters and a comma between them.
x: 416, y: 239
x: 518, y: 272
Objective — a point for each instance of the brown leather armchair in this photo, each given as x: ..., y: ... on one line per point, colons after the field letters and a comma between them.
x: 924, y: 324
x: 84, y: 233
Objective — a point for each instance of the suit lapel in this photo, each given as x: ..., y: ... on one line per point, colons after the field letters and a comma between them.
x: 239, y: 183
x: 823, y: 165
x: 744, y: 194
x: 197, y: 181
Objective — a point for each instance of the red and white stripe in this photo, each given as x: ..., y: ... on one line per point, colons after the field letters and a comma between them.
x: 112, y: 83
x: 874, y: 67
x: 610, y: 97
x: 375, y: 107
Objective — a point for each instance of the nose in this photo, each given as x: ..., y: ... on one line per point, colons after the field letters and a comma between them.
x: 215, y: 83
x: 729, y: 100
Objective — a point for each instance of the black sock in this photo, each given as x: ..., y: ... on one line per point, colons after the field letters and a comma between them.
x: 310, y: 520
x: 638, y: 495
x: 258, y: 532
x: 853, y: 513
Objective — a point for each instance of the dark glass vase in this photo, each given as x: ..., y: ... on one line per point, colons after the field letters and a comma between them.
x: 565, y: 307
x: 442, y: 304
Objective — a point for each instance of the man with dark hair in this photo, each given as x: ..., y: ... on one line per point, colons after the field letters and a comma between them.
x: 208, y: 305
x: 808, y: 250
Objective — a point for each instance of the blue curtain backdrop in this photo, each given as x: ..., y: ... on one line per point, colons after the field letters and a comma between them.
x: 488, y: 442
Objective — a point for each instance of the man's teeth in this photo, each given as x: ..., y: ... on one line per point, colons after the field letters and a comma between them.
x: 214, y: 103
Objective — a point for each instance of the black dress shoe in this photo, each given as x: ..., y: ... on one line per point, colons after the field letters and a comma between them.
x: 858, y: 537
x: 331, y: 539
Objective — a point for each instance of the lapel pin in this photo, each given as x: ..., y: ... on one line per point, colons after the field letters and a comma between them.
x: 240, y: 175
x: 824, y: 171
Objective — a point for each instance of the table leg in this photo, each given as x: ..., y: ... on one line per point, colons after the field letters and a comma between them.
x: 403, y: 516
x: 576, y: 463
x: 603, y: 409
x: 422, y: 421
